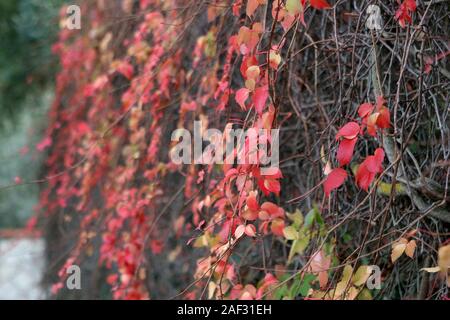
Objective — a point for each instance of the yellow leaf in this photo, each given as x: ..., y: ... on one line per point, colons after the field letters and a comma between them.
x: 352, y: 293
x: 320, y: 295
x: 431, y: 269
x: 296, y: 217
x: 397, y: 249
x: 290, y: 233
x: 252, y: 72
x: 410, y: 248
x: 201, y: 241
x: 211, y: 289
x: 361, y: 275
x: 274, y: 59
x: 294, y: 6
x: 250, y: 84
x: 443, y: 263
x: 347, y: 273
x: 444, y: 258
x: 340, y: 289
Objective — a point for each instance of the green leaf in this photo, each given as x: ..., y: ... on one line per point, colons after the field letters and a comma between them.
x: 318, y: 216
x: 346, y: 237
x: 281, y: 292
x: 314, y: 216
x: 294, y: 6
x: 290, y: 233
x: 296, y: 217
x: 310, y: 218
x: 298, y: 246
x: 364, y: 295
x: 306, y: 284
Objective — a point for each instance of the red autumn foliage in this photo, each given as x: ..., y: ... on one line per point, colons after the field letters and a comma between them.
x: 404, y: 12
x: 319, y: 4
x: 345, y: 151
x: 109, y: 154
x: 369, y: 168
x: 334, y: 180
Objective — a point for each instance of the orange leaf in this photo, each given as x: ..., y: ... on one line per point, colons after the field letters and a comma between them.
x: 252, y: 5
x: 397, y: 249
x: 320, y: 265
x: 277, y: 227
x: 410, y: 248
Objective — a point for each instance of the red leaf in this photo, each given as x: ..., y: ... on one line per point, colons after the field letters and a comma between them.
x: 126, y: 69
x: 156, y: 246
x: 365, y: 109
x: 252, y: 203
x: 45, y: 143
x: 249, y: 215
x: 334, y: 180
x: 82, y: 128
x: 374, y: 163
x: 410, y: 5
x: 345, y: 151
x: 403, y: 13
x: 271, y: 185
x: 371, y: 124
x: 241, y: 97
x: 189, y: 106
x: 319, y: 4
x: 252, y: 5
x: 380, y: 102
x: 259, y: 98
x: 379, y: 156
x: 348, y: 131
x: 272, y: 209
x: 369, y: 168
x: 277, y: 227
x: 384, y: 119
x: 247, y: 62
x: 273, y: 173
x: 250, y: 230
x: 364, y: 177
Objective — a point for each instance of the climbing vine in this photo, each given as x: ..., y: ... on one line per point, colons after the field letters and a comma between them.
x: 138, y: 70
